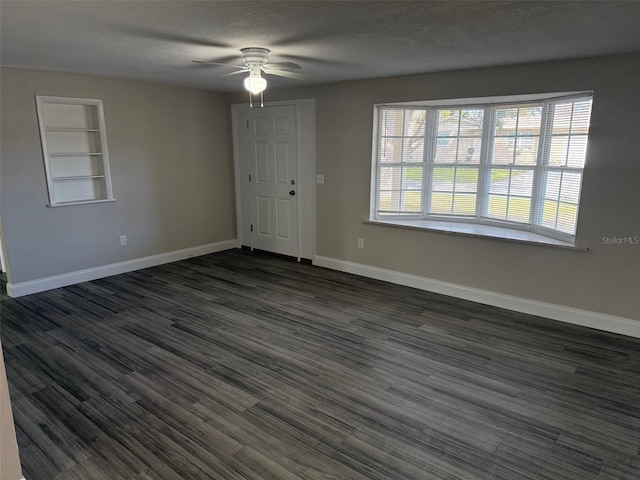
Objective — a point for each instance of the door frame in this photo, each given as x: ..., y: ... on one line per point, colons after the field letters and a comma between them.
x: 306, y: 159
x: 3, y: 258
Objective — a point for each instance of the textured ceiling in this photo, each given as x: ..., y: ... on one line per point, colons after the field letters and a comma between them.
x: 332, y: 40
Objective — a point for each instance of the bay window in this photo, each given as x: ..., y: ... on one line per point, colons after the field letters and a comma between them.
x: 511, y: 164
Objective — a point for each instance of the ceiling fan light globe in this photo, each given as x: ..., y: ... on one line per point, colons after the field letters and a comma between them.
x: 255, y: 84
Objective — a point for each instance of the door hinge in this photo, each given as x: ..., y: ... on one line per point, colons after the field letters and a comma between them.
x: 252, y: 228
x: 247, y: 124
x: 249, y: 178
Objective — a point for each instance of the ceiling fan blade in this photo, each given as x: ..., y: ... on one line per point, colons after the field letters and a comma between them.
x: 284, y: 73
x: 162, y: 35
x: 283, y: 66
x: 319, y: 61
x: 244, y: 70
x: 218, y: 64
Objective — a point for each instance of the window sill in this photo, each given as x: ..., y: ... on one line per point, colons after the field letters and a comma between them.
x: 478, y: 231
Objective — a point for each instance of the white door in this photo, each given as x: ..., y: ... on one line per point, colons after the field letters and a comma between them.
x: 273, y: 178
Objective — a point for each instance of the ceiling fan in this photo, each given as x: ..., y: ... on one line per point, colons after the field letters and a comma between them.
x: 256, y: 62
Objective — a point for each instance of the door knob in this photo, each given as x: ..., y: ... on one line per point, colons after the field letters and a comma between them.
x: 292, y: 193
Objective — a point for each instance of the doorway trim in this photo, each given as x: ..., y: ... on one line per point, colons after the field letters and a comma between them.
x: 306, y: 153
x: 3, y: 257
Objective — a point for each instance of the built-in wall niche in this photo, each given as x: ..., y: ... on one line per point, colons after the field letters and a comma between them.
x: 74, y: 146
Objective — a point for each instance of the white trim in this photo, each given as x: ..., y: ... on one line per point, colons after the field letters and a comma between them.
x: 374, y: 191
x: 476, y: 230
x: 586, y: 318
x: 306, y: 136
x: 79, y: 276
x: 3, y: 260
x: 300, y: 203
x: 235, y: 115
x: 502, y: 99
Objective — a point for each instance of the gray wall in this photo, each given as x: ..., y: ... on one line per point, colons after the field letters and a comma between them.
x: 605, y: 279
x: 172, y: 176
x: 172, y: 170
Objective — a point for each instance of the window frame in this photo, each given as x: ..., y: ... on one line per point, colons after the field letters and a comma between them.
x: 490, y: 105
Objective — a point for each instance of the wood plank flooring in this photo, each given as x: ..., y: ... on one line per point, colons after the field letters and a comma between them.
x: 247, y: 366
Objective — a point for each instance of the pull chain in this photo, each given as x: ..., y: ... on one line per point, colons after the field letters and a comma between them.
x: 251, y: 100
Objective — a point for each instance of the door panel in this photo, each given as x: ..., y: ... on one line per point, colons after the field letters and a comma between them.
x: 262, y: 162
x: 262, y: 216
x: 281, y: 152
x: 282, y: 220
x: 272, y: 165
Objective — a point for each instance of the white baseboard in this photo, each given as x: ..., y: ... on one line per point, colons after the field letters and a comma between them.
x: 71, y: 278
x: 586, y: 318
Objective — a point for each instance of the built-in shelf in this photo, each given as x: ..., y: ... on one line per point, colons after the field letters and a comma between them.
x: 48, y: 129
x: 74, y: 144
x: 77, y: 177
x: 74, y: 154
x: 64, y: 204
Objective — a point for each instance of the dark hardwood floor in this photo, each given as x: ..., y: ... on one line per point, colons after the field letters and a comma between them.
x: 246, y: 366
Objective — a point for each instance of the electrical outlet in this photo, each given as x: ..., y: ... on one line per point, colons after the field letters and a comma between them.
x: 123, y: 240
x: 320, y: 178
x: 361, y: 243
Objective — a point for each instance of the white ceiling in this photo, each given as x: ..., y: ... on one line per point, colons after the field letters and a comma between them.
x: 332, y: 40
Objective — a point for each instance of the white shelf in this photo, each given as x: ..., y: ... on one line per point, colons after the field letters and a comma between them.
x: 78, y: 177
x: 74, y: 154
x: 83, y: 202
x: 70, y: 129
x: 74, y: 145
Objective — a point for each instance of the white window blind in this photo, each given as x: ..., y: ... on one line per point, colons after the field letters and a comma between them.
x: 456, y: 162
x: 513, y: 161
x: 568, y: 127
x: 517, y: 165
x: 401, y: 158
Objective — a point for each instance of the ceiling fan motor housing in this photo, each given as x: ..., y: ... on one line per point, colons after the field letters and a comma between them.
x: 255, y: 56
